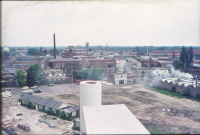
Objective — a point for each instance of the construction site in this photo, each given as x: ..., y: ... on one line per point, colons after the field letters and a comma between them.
x: 159, y: 113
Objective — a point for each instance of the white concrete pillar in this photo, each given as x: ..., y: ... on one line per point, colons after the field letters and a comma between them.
x: 90, y: 95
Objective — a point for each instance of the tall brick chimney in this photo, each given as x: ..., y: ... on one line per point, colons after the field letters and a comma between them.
x: 173, y: 55
x: 54, y: 45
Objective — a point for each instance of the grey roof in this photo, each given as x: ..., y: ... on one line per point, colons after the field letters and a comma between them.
x: 70, y: 110
x: 73, y: 109
x: 76, y: 107
x: 42, y: 101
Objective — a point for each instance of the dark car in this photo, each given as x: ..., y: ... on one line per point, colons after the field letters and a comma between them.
x: 51, y: 84
x: 37, y: 91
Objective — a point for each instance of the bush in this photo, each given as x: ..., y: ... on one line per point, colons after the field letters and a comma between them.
x: 173, y: 89
x: 19, y: 100
x: 50, y: 111
x: 62, y: 115
x: 186, y: 93
x: 197, y: 96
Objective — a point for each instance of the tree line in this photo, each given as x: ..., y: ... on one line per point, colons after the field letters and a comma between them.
x: 185, y: 61
x: 34, y: 75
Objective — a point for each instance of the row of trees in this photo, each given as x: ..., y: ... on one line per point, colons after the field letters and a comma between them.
x: 33, y: 76
x: 94, y: 74
x: 185, y: 61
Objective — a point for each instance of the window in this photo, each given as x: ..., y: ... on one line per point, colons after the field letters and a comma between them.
x: 66, y: 114
x: 46, y: 108
x: 77, y: 124
x: 33, y: 104
x: 73, y: 113
x: 54, y: 110
x: 40, y: 106
x: 23, y: 102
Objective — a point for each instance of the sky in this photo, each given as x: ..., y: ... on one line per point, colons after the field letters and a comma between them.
x: 117, y: 23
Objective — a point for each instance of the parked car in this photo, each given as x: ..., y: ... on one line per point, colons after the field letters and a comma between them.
x: 25, y: 88
x: 24, y: 126
x: 41, y: 120
x: 6, y: 90
x: 34, y: 87
x: 51, y: 84
x: 37, y: 91
x: 28, y: 92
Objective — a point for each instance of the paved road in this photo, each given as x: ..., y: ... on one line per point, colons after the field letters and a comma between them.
x: 55, y: 90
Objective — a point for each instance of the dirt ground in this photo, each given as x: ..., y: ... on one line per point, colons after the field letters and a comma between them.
x: 32, y: 120
x: 157, y: 112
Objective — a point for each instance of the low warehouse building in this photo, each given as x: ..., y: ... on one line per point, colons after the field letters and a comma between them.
x: 118, y: 78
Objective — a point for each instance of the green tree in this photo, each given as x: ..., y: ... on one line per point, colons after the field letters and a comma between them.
x: 49, y: 111
x: 173, y: 89
x: 31, y: 51
x: 35, y: 75
x: 142, y: 53
x: 190, y: 56
x: 152, y: 65
x: 87, y: 73
x: 177, y: 64
x: 62, y: 115
x: 6, y: 54
x: 21, y: 76
x: 116, y: 69
x: 57, y: 67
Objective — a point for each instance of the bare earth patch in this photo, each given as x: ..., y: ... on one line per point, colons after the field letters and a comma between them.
x: 157, y: 112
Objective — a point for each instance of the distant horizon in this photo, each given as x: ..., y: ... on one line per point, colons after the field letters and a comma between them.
x: 118, y: 23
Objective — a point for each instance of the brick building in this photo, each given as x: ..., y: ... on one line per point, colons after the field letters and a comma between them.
x: 106, y: 64
x: 8, y: 78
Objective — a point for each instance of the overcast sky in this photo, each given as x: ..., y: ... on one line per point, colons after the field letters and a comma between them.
x: 131, y: 23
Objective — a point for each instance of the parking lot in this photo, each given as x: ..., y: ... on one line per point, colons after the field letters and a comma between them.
x: 46, y: 90
x: 53, y: 90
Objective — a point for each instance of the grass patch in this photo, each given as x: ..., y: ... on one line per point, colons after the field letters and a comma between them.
x: 67, y: 96
x: 109, y: 92
x: 42, y: 116
x: 169, y: 93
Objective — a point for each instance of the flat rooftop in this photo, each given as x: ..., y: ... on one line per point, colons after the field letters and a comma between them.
x: 111, y: 119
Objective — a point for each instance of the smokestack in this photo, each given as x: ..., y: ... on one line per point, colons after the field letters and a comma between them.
x: 173, y: 54
x: 54, y: 46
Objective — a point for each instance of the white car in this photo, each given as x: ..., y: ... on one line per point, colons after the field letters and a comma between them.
x: 25, y: 88
x: 109, y: 84
x: 34, y: 87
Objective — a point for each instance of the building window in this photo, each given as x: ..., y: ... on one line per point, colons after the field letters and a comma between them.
x: 46, y: 108
x: 33, y: 104
x: 54, y: 110
x: 73, y: 113
x: 23, y: 102
x: 40, y: 106
x: 66, y: 114
x: 77, y: 124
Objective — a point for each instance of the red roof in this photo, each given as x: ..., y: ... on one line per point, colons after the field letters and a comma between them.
x: 172, y: 53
